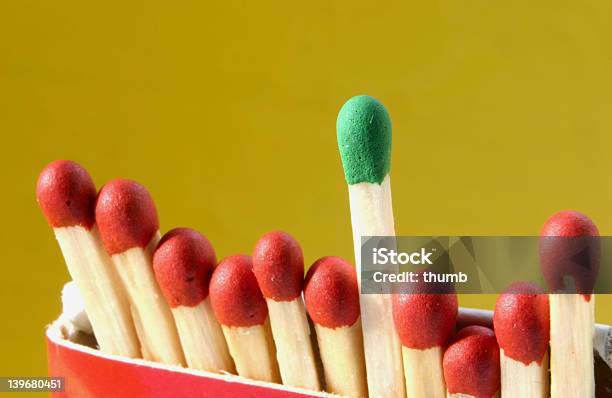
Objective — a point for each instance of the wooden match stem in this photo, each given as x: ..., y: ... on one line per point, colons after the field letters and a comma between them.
x: 342, y: 355
x: 293, y: 344
x: 105, y: 300
x: 524, y: 381
x: 497, y: 395
x: 424, y: 373
x: 572, y: 320
x: 152, y: 316
x: 372, y: 215
x: 253, y: 351
x: 202, y: 338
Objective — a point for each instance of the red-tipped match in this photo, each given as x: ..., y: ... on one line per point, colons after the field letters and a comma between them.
x: 126, y: 216
x: 522, y: 322
x: 569, y: 223
x: 472, y: 330
x: 471, y: 364
x: 235, y: 295
x: 66, y: 194
x: 278, y: 264
x: 331, y: 293
x: 570, y: 253
x: 183, y: 263
x: 424, y: 320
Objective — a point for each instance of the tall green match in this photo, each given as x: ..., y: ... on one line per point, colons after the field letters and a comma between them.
x: 364, y: 140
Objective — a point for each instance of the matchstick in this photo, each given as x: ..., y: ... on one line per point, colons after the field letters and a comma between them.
x: 522, y: 328
x: 332, y: 300
x: 471, y: 364
x: 364, y: 141
x: 129, y: 227
x: 241, y: 309
x: 278, y: 265
x: 424, y: 323
x: 569, y: 258
x: 67, y: 197
x: 183, y: 263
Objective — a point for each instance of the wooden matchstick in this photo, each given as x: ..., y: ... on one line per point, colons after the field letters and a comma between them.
x: 67, y: 197
x: 471, y: 364
x: 424, y: 323
x: 241, y: 309
x: 278, y: 265
x: 129, y: 227
x: 569, y: 258
x: 364, y: 141
x: 332, y: 300
x: 522, y: 329
x: 183, y: 263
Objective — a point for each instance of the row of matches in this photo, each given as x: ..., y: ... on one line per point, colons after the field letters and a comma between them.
x: 168, y: 300
x: 522, y: 329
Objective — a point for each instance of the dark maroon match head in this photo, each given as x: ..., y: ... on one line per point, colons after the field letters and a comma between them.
x: 235, y: 295
x: 471, y: 365
x: 424, y: 320
x: 522, y: 322
x: 183, y: 263
x: 66, y: 194
x: 331, y: 293
x: 570, y: 253
x: 278, y: 264
x: 126, y: 216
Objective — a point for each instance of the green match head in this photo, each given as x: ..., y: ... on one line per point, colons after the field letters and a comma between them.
x: 364, y: 140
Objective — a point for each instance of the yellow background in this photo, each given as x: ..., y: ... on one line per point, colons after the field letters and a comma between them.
x: 226, y: 112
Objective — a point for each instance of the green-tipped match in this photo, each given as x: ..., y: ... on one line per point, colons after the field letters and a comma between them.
x: 364, y: 140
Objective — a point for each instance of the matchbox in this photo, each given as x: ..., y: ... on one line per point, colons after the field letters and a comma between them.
x: 90, y: 373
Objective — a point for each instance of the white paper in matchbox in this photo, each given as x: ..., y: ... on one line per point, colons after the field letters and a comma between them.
x: 74, y: 318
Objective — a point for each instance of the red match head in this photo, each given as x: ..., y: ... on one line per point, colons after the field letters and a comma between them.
x: 570, y: 253
x: 279, y: 266
x: 473, y: 330
x: 522, y: 322
x: 183, y: 263
x: 66, y: 194
x: 424, y: 320
x: 569, y: 223
x: 331, y: 293
x: 471, y: 364
x: 235, y: 295
x: 126, y: 216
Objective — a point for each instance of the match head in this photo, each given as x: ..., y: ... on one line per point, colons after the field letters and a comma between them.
x: 126, y: 216
x: 364, y: 140
x: 331, y: 293
x: 473, y: 330
x: 522, y: 322
x: 234, y: 293
x: 570, y: 252
x: 471, y: 365
x: 424, y: 320
x: 66, y: 194
x: 278, y: 264
x: 569, y: 223
x: 183, y: 262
